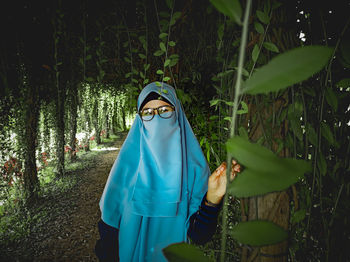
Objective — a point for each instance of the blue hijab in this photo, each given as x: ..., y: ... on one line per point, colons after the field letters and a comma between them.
x: 156, y: 183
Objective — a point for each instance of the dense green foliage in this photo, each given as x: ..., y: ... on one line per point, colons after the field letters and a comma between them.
x: 276, y: 95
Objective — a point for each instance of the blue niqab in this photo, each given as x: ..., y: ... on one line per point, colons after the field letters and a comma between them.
x: 156, y: 183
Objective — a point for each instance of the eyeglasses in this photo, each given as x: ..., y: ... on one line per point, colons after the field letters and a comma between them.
x: 165, y: 111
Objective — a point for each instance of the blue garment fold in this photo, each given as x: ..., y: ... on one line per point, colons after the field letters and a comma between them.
x: 156, y: 183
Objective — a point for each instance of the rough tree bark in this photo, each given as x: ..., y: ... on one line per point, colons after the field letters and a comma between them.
x: 73, y: 94
x: 31, y: 181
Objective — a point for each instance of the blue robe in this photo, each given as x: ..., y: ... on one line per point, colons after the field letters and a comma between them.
x: 156, y: 184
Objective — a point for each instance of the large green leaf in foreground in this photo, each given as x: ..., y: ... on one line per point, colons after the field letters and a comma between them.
x: 231, y: 8
x: 258, y: 233
x: 183, y: 252
x: 288, y: 69
x: 263, y: 172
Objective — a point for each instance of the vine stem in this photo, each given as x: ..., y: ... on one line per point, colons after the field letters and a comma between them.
x: 233, y: 122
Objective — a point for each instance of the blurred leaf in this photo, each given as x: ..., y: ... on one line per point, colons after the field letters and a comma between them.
x: 255, y: 53
x: 142, y: 56
x: 271, y: 47
x: 162, y: 46
x: 331, y: 98
x: 259, y: 28
x: 167, y: 62
x: 321, y: 164
x: 295, y: 122
x: 258, y: 233
x: 243, y: 132
x: 231, y: 8
x: 263, y: 17
x: 311, y: 134
x: 344, y: 83
x: 158, y: 53
x: 172, y: 43
x: 160, y: 72
x: 244, y: 109
x: 298, y: 216
x: 214, y: 102
x: 263, y: 172
x: 146, y: 66
x: 162, y: 35
x: 287, y: 69
x: 127, y: 59
x: 167, y: 78
x: 327, y: 133
x: 183, y: 252
x: 244, y: 71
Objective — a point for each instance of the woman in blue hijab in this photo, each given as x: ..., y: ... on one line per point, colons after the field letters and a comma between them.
x: 158, y: 191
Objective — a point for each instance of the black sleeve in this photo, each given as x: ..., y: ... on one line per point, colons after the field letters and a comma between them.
x: 203, y: 223
x: 107, y: 247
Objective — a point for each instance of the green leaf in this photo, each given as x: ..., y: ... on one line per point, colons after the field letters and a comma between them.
x: 243, y: 132
x: 295, y: 122
x: 298, y: 216
x: 183, y: 252
x: 327, y: 133
x: 176, y: 16
x: 165, y: 79
x: 167, y: 62
x: 142, y: 56
x: 145, y: 81
x: 271, y: 47
x: 228, y: 118
x: 259, y: 28
x: 344, y: 83
x: 244, y: 109
x: 146, y: 66
x: 162, y: 35
x: 162, y: 46
x: 160, y: 72
x: 172, y: 43
x: 158, y: 53
x: 255, y: 53
x: 214, y: 102
x: 127, y: 59
x: 231, y: 8
x: 89, y: 79
x: 322, y: 164
x: 311, y: 134
x: 263, y: 172
x: 258, y: 233
x: 287, y: 69
x: 263, y: 17
x: 331, y: 98
x: 142, y: 74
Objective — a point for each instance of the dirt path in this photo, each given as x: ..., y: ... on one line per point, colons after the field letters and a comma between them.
x: 75, y: 233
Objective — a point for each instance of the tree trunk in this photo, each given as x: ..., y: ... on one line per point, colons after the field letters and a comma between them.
x: 31, y: 181
x: 73, y: 120
x: 275, y: 206
x: 96, y: 122
x: 60, y: 142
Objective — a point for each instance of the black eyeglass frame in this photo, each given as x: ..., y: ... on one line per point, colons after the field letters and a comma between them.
x: 153, y: 110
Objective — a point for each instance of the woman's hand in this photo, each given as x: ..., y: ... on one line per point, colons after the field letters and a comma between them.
x: 217, y: 182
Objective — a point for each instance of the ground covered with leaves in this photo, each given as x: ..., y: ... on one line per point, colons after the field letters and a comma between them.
x: 62, y: 224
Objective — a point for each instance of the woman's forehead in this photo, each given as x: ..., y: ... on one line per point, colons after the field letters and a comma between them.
x: 155, y: 104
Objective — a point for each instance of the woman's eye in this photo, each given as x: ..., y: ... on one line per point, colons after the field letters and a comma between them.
x: 163, y: 110
x: 147, y: 112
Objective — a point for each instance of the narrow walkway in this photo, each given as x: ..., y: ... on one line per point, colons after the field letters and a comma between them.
x: 76, y: 240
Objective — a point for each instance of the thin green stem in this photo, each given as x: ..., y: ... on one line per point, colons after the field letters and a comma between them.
x: 233, y: 122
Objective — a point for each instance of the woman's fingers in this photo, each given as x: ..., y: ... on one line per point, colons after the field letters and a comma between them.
x: 220, y: 169
x: 236, y: 168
